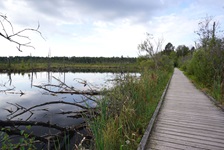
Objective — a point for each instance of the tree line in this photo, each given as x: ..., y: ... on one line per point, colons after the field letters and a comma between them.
x: 155, y: 56
x: 85, y: 60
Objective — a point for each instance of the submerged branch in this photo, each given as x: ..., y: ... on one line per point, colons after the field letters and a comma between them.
x: 32, y: 123
x: 15, y: 131
x: 11, y: 128
x: 92, y: 92
x: 63, y: 88
x: 48, y: 103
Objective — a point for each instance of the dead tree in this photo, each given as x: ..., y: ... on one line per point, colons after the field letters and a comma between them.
x: 151, y: 47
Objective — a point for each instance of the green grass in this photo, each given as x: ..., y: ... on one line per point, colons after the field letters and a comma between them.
x: 107, y: 67
x: 126, y: 111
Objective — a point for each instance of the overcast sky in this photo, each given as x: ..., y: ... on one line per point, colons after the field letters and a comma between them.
x: 104, y: 27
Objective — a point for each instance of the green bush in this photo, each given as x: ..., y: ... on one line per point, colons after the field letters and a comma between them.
x: 201, y: 67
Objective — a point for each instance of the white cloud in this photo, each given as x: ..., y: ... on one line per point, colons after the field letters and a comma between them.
x: 105, y: 28
x: 175, y: 29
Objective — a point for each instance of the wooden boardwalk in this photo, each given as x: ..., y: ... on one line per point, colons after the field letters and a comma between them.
x: 187, y: 120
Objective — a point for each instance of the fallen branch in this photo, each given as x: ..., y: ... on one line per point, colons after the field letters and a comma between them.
x: 69, y: 92
x: 48, y: 103
x: 11, y: 128
x: 15, y: 131
x: 13, y: 123
x: 63, y: 88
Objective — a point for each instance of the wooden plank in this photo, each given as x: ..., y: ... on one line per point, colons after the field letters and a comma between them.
x: 171, y: 145
x: 185, y: 142
x: 158, y: 136
x: 204, y: 133
x: 188, y: 115
x: 145, y: 137
x: 164, y: 145
x: 195, y: 136
x: 194, y: 125
x: 188, y: 119
x: 195, y: 113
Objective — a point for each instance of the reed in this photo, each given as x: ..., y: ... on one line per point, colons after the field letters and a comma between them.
x: 127, y: 109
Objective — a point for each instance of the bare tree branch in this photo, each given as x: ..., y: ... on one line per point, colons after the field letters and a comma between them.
x: 48, y: 103
x: 65, y: 89
x: 32, y: 123
x: 151, y: 48
x: 44, y: 87
x: 9, y: 36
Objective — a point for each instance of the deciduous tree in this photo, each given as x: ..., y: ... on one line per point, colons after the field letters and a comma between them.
x: 151, y: 47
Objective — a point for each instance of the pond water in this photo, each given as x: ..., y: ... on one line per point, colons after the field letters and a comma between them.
x: 25, y: 83
x: 18, y: 93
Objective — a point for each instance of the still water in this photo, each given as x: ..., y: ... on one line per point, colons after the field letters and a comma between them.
x: 18, y: 92
x: 15, y: 84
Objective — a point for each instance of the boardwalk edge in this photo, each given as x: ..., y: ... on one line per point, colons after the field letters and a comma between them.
x: 218, y: 104
x: 148, y: 130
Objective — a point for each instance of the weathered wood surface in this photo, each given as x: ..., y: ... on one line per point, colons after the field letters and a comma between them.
x: 187, y: 120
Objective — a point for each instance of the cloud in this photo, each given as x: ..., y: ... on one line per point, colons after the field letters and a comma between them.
x: 107, y: 27
x: 105, y: 10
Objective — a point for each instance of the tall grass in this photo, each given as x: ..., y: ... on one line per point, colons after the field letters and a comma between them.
x: 127, y: 109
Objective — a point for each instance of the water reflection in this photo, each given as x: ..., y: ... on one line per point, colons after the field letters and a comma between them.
x: 24, y: 95
x: 34, y: 96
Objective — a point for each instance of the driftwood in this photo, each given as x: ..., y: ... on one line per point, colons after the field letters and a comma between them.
x: 12, y: 128
x: 15, y: 131
x: 73, y: 91
x: 63, y: 88
x: 13, y: 114
x: 49, y: 139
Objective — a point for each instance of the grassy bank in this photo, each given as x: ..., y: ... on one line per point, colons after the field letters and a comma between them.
x: 35, y: 67
x: 131, y: 105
